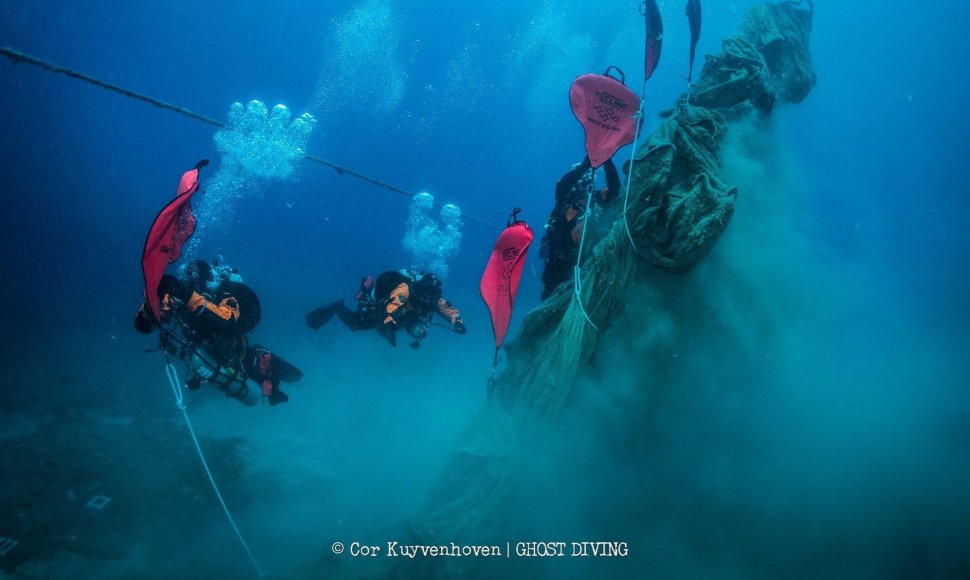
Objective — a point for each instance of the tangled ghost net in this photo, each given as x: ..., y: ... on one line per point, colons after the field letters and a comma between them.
x: 677, y: 208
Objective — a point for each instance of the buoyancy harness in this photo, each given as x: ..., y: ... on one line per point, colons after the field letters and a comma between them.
x: 181, y: 337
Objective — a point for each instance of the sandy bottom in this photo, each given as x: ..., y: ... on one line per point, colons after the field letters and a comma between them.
x: 350, y: 457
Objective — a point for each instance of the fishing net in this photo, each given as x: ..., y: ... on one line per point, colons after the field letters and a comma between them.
x: 678, y: 206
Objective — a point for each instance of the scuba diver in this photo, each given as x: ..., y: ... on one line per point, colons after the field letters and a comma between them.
x: 395, y: 300
x: 205, y: 316
x: 564, y: 228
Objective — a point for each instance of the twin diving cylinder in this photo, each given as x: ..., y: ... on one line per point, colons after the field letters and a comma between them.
x: 231, y: 381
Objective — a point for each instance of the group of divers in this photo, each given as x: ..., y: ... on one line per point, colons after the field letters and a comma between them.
x: 206, y: 313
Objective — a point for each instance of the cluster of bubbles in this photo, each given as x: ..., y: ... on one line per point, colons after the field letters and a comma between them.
x: 256, y: 145
x: 365, y: 69
x: 264, y: 143
x: 546, y: 56
x: 432, y: 242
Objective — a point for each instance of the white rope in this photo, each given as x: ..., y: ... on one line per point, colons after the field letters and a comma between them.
x: 173, y: 380
x: 629, y: 174
x: 577, y: 273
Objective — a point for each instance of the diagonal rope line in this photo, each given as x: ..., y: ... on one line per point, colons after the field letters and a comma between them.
x: 629, y: 175
x: 18, y: 57
x: 173, y: 381
x: 577, y: 271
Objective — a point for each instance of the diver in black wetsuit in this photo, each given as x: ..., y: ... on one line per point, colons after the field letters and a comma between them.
x: 205, y: 317
x: 395, y: 300
x: 564, y: 228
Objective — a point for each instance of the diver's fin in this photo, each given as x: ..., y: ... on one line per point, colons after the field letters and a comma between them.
x: 277, y: 397
x: 318, y: 317
x: 288, y: 372
x: 321, y: 316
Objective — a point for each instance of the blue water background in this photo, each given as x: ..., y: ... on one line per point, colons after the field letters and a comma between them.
x: 483, y: 122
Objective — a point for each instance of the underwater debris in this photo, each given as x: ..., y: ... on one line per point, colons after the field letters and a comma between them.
x: 6, y: 545
x: 678, y: 207
x: 98, y: 502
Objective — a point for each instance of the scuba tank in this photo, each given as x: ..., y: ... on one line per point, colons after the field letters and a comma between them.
x: 231, y: 381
